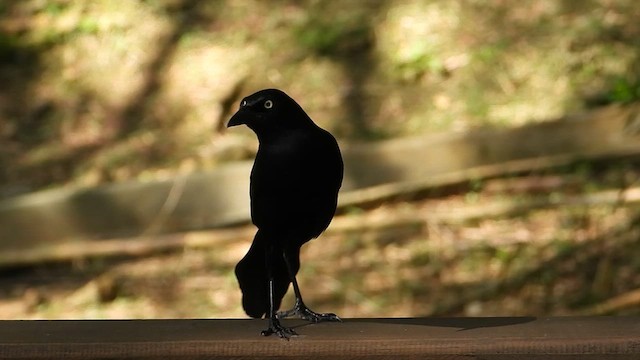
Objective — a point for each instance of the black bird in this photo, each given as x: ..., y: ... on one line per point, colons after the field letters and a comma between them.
x: 294, y: 192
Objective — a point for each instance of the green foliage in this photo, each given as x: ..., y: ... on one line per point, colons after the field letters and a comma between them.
x: 54, y: 8
x: 563, y: 247
x: 10, y: 47
x: 87, y: 26
x: 419, y: 64
x: 624, y: 90
x: 402, y: 67
x: 327, y: 36
x: 490, y: 53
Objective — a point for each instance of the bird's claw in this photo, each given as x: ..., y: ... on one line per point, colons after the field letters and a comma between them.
x: 305, y: 313
x: 316, y: 317
x: 282, y: 331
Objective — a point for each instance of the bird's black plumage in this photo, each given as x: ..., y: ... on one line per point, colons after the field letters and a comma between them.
x: 294, y: 192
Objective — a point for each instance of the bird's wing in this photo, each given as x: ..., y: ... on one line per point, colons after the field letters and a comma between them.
x: 297, y: 187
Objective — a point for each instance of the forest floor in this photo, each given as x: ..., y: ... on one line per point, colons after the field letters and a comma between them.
x: 100, y: 92
x: 549, y: 243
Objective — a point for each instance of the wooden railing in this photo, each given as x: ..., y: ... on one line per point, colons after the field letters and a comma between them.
x: 429, y: 338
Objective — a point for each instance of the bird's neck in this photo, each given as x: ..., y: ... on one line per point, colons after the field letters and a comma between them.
x: 267, y: 139
x: 276, y: 137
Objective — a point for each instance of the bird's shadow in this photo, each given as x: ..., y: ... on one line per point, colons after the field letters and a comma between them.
x: 462, y: 323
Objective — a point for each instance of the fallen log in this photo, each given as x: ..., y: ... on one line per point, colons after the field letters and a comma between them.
x: 627, y: 300
x: 149, y: 244
x: 69, y: 217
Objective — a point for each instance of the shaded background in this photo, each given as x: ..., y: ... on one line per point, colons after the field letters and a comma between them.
x: 102, y: 92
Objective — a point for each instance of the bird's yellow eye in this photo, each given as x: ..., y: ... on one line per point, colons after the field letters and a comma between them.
x: 268, y: 104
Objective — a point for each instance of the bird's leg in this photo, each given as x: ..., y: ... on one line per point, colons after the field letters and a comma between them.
x: 299, y: 308
x: 274, y: 323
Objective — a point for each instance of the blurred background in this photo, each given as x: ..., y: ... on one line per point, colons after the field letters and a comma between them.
x: 491, y: 148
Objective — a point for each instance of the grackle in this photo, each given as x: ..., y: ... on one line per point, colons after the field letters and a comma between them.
x: 294, y: 192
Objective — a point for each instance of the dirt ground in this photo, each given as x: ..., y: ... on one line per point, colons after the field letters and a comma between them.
x: 100, y: 92
x: 527, y: 245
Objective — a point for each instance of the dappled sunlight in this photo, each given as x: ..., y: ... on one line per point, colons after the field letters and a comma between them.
x: 440, y: 218
x: 416, y: 37
x: 101, y: 73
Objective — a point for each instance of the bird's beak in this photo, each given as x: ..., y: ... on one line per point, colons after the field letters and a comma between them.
x: 239, y: 118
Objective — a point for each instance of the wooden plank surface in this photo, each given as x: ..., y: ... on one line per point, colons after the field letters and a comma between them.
x: 428, y: 338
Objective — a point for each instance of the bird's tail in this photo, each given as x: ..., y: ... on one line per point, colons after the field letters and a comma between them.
x: 253, y: 278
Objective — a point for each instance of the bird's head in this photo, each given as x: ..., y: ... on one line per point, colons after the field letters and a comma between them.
x: 269, y: 111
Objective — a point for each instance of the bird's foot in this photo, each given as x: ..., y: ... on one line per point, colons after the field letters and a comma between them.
x: 302, y: 311
x: 276, y: 328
